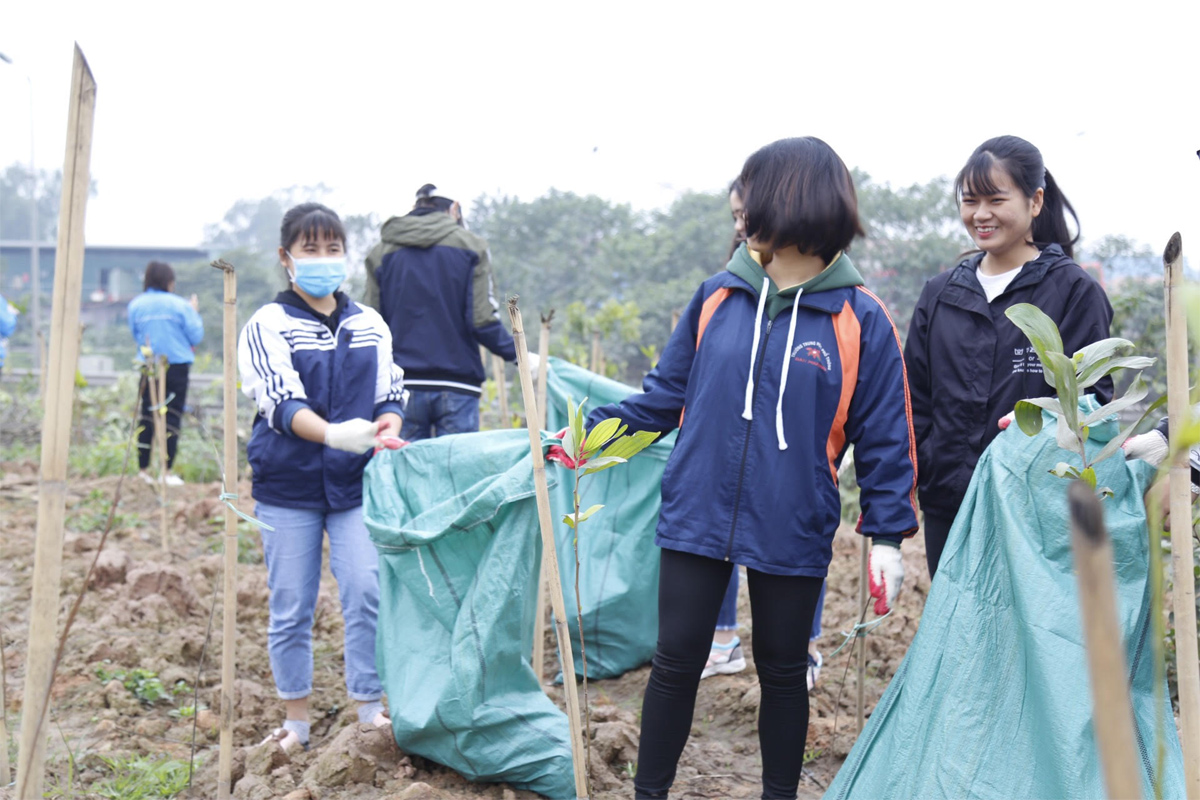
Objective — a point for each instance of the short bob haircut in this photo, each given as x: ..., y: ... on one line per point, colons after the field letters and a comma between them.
x: 310, y: 222
x: 159, y: 276
x: 798, y: 192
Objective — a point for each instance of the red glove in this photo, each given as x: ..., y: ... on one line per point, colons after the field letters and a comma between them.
x: 390, y: 443
x: 886, y: 572
x: 556, y: 453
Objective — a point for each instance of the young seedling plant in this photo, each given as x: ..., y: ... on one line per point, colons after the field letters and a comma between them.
x: 1070, y: 377
x: 603, y: 447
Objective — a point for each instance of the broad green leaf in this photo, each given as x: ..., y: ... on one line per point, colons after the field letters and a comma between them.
x: 568, y: 442
x: 577, y: 428
x: 567, y: 518
x: 1115, y: 443
x: 1098, y: 371
x: 1067, y: 437
x: 1065, y: 384
x: 1038, y: 328
x: 1088, y: 476
x: 629, y: 446
x: 1135, y: 394
x: 585, y: 514
x: 1099, y: 351
x: 601, y: 464
x: 600, y: 435
x: 1029, y: 417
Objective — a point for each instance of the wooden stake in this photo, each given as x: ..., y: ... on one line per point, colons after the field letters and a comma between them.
x: 41, y: 346
x: 229, y: 638
x: 4, y: 770
x: 157, y: 380
x: 861, y: 667
x: 1111, y: 707
x: 545, y: 523
x: 597, y: 355
x: 1187, y: 653
x: 56, y: 427
x: 539, y: 618
x: 501, y: 391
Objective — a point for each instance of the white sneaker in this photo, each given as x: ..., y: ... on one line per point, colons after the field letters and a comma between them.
x: 287, y: 740
x: 174, y: 480
x: 724, y: 659
x: 147, y: 477
x: 814, y: 669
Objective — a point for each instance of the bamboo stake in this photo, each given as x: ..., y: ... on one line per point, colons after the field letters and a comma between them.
x: 4, y: 770
x: 539, y: 618
x: 41, y: 346
x: 597, y: 357
x: 1187, y: 653
x: 559, y: 605
x: 56, y: 427
x: 229, y: 639
x: 158, y: 392
x: 501, y: 391
x: 1111, y: 707
x: 861, y: 667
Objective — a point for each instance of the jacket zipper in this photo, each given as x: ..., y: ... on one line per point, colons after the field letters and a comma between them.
x: 737, y: 498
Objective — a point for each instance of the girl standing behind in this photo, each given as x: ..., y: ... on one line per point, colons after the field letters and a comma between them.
x: 319, y: 367
x: 968, y: 364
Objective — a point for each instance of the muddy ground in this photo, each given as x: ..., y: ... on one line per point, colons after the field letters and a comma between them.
x: 150, y: 609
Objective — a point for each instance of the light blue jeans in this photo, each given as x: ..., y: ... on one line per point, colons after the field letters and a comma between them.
x: 293, y: 554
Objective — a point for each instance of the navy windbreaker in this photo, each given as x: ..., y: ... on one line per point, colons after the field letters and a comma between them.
x: 968, y: 364
x: 762, y: 491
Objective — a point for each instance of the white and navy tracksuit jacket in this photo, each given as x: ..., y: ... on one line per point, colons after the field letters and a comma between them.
x: 290, y: 357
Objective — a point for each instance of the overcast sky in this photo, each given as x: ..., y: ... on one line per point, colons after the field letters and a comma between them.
x: 200, y: 106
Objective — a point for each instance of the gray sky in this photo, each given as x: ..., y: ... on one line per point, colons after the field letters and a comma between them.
x: 633, y: 101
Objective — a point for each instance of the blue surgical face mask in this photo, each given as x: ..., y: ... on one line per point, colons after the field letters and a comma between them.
x: 319, y: 277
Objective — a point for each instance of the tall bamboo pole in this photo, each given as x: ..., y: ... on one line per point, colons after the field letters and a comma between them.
x: 229, y: 638
x: 861, y: 667
x: 4, y: 770
x: 1187, y: 652
x: 1111, y: 708
x: 501, y: 391
x: 56, y: 427
x: 158, y: 402
x: 546, y: 525
x: 539, y: 618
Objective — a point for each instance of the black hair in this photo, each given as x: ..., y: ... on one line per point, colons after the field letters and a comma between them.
x: 158, y: 276
x: 799, y: 192
x: 1022, y: 162
x: 737, y: 188
x: 310, y: 221
x: 427, y: 197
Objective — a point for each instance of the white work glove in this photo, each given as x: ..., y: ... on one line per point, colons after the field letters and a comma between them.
x: 353, y: 435
x: 535, y: 362
x: 1149, y: 447
x: 887, y: 573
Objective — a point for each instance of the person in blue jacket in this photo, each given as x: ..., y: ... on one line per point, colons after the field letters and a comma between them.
x: 170, y: 326
x: 968, y: 364
x: 8, y: 324
x: 319, y: 367
x: 771, y: 372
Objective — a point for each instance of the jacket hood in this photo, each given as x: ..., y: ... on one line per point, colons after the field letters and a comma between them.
x: 840, y: 274
x: 419, y: 230
x: 1032, y: 272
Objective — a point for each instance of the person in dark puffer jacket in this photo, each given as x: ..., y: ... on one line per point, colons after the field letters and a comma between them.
x: 968, y: 364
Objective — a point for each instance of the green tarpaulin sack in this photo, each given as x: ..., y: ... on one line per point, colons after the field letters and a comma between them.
x: 993, y: 698
x: 455, y: 523
x: 618, y: 578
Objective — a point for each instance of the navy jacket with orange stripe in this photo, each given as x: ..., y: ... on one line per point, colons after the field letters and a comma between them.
x: 753, y: 476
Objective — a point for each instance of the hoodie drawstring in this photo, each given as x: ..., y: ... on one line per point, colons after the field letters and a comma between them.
x: 783, y: 374
x: 748, y: 411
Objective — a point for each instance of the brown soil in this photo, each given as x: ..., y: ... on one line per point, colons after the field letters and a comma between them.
x: 150, y: 609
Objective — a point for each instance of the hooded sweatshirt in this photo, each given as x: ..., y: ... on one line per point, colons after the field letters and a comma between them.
x: 431, y: 280
x: 768, y: 387
x: 968, y: 364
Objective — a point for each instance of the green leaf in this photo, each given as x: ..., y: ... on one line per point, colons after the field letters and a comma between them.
x: 1092, y: 376
x: 1104, y: 492
x: 1062, y: 469
x: 577, y: 428
x: 1065, y: 383
x: 601, y: 435
x: 1039, y: 329
x: 1115, y: 443
x: 628, y: 446
x: 1029, y: 417
x: 601, y: 464
x: 570, y: 520
x: 1088, y: 476
x: 1099, y: 351
x: 585, y: 514
x: 1136, y: 392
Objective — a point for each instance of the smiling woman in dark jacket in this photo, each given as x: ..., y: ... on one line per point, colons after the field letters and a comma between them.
x: 968, y: 364
x: 769, y: 375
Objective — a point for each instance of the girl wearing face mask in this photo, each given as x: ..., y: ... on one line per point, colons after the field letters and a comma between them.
x: 968, y: 364
x: 319, y: 368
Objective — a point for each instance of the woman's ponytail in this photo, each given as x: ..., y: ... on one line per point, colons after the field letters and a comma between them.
x: 1050, y: 226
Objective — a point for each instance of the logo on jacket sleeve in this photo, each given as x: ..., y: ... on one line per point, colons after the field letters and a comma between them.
x: 813, y: 353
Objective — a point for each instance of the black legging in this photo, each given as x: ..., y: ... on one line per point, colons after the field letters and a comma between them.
x: 177, y: 385
x: 690, y: 589
x: 937, y: 530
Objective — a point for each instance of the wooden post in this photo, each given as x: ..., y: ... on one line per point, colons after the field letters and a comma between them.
x: 56, y: 428
x: 229, y: 638
x: 861, y: 667
x: 158, y: 402
x: 539, y: 618
x: 1111, y: 708
x: 1187, y: 652
x: 597, y: 357
x: 40, y: 344
x: 501, y: 391
x: 4, y: 770
x: 545, y: 523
